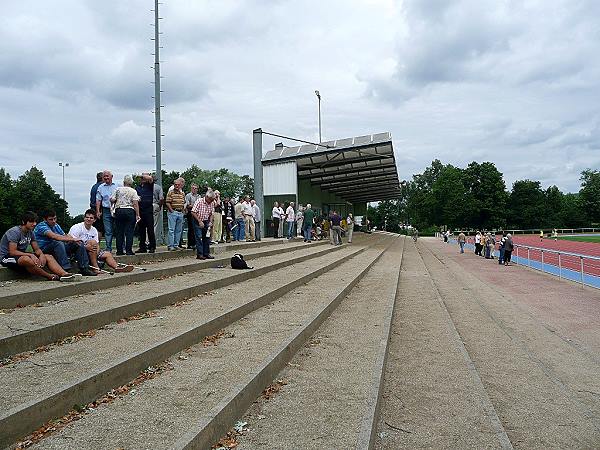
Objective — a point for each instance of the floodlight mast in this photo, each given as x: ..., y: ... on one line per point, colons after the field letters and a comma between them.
x: 318, y: 94
x: 157, y: 96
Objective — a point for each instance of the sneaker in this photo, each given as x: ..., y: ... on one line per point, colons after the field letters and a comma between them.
x: 209, y: 257
x: 71, y: 278
x: 151, y: 250
x: 139, y: 250
x: 120, y: 253
x: 200, y: 257
x: 121, y: 269
x: 130, y: 254
x: 88, y: 273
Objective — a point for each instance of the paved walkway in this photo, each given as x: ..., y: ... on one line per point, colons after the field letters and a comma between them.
x: 487, y: 356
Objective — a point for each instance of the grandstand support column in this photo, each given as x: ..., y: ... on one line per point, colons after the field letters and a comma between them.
x: 258, y: 175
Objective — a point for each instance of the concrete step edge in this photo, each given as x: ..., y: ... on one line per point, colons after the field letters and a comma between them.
x: 23, y: 419
x: 221, y: 418
x: 368, y: 430
x: 32, y: 339
x: 53, y: 291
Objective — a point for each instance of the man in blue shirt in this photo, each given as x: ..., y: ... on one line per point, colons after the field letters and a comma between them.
x: 53, y: 240
x: 105, y: 191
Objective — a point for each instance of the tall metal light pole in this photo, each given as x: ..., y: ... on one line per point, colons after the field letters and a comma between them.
x: 63, y: 165
x: 319, y: 97
x: 157, y: 121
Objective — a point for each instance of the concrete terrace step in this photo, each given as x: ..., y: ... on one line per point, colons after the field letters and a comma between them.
x: 206, y: 378
x: 28, y: 291
x: 101, y: 365
x: 331, y: 401
x: 161, y: 254
x: 27, y: 328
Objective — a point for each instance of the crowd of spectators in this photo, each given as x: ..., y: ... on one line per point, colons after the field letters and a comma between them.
x: 486, y: 244
x: 115, y: 212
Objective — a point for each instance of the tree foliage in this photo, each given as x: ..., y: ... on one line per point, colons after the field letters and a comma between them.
x: 476, y: 197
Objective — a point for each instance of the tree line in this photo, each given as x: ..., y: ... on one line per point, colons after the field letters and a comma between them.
x: 31, y: 192
x: 476, y: 197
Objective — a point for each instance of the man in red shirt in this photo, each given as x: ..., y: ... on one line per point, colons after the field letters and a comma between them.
x: 203, y: 211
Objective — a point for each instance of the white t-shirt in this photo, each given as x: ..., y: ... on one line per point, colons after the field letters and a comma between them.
x: 79, y: 231
x: 289, y: 212
x: 477, y: 238
x: 275, y: 213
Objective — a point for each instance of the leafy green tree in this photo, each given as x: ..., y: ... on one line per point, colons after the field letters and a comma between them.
x: 590, y: 194
x: 33, y: 193
x: 449, y: 198
x: 572, y: 214
x: 526, y: 205
x: 7, y: 218
x: 486, y: 194
x: 554, y: 201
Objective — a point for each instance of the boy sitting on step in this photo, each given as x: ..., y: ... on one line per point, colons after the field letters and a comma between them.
x: 88, y: 234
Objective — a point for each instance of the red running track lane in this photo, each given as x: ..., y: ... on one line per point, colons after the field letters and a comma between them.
x: 571, y: 262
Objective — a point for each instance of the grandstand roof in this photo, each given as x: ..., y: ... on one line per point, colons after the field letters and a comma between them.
x: 358, y: 169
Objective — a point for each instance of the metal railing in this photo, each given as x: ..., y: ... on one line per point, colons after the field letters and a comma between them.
x: 536, y: 231
x: 583, y: 269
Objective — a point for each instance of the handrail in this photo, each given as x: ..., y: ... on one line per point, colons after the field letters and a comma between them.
x: 560, y: 252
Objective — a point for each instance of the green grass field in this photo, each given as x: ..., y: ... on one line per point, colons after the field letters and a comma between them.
x: 595, y: 238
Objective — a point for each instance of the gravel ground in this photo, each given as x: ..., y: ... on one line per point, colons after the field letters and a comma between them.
x: 544, y: 388
x: 326, y: 396
x: 430, y: 397
x: 44, y: 373
x: 162, y: 409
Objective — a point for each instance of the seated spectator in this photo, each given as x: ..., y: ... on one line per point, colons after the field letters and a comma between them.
x: 14, y: 255
x: 88, y: 235
x: 53, y: 241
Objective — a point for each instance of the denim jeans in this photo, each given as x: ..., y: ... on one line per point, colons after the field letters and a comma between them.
x: 290, y: 230
x: 124, y: 224
x: 63, y: 250
x: 202, y: 239
x: 307, y: 232
x: 175, y: 220
x: 239, y: 232
x: 462, y: 247
x: 501, y: 257
x: 108, y: 222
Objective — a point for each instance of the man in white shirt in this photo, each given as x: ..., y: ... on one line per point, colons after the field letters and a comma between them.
x: 248, y: 213
x: 290, y: 218
x: 276, y: 217
x: 257, y: 219
x: 87, y: 233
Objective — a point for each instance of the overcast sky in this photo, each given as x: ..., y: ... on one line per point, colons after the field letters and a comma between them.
x: 512, y: 82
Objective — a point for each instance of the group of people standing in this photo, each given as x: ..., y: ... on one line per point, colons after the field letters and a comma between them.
x: 485, y: 245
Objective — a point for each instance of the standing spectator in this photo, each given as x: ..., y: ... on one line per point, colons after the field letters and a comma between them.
x: 127, y: 213
x: 508, y: 249
x: 228, y: 216
x: 93, y: 193
x: 330, y: 227
x: 276, y: 217
x: 478, y: 245
x: 462, y: 239
x: 190, y: 200
x: 88, y: 235
x: 103, y: 210
x: 158, y: 200
x: 248, y: 213
x: 14, y: 254
x: 290, y: 218
x: 145, y: 193
x: 217, y: 228
x: 239, y: 227
x: 257, y: 219
x: 52, y: 240
x: 501, y: 248
x: 350, y: 225
x: 307, y: 223
x: 281, y: 221
x: 300, y: 220
x: 203, y: 212
x: 175, y: 203
x: 336, y: 229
